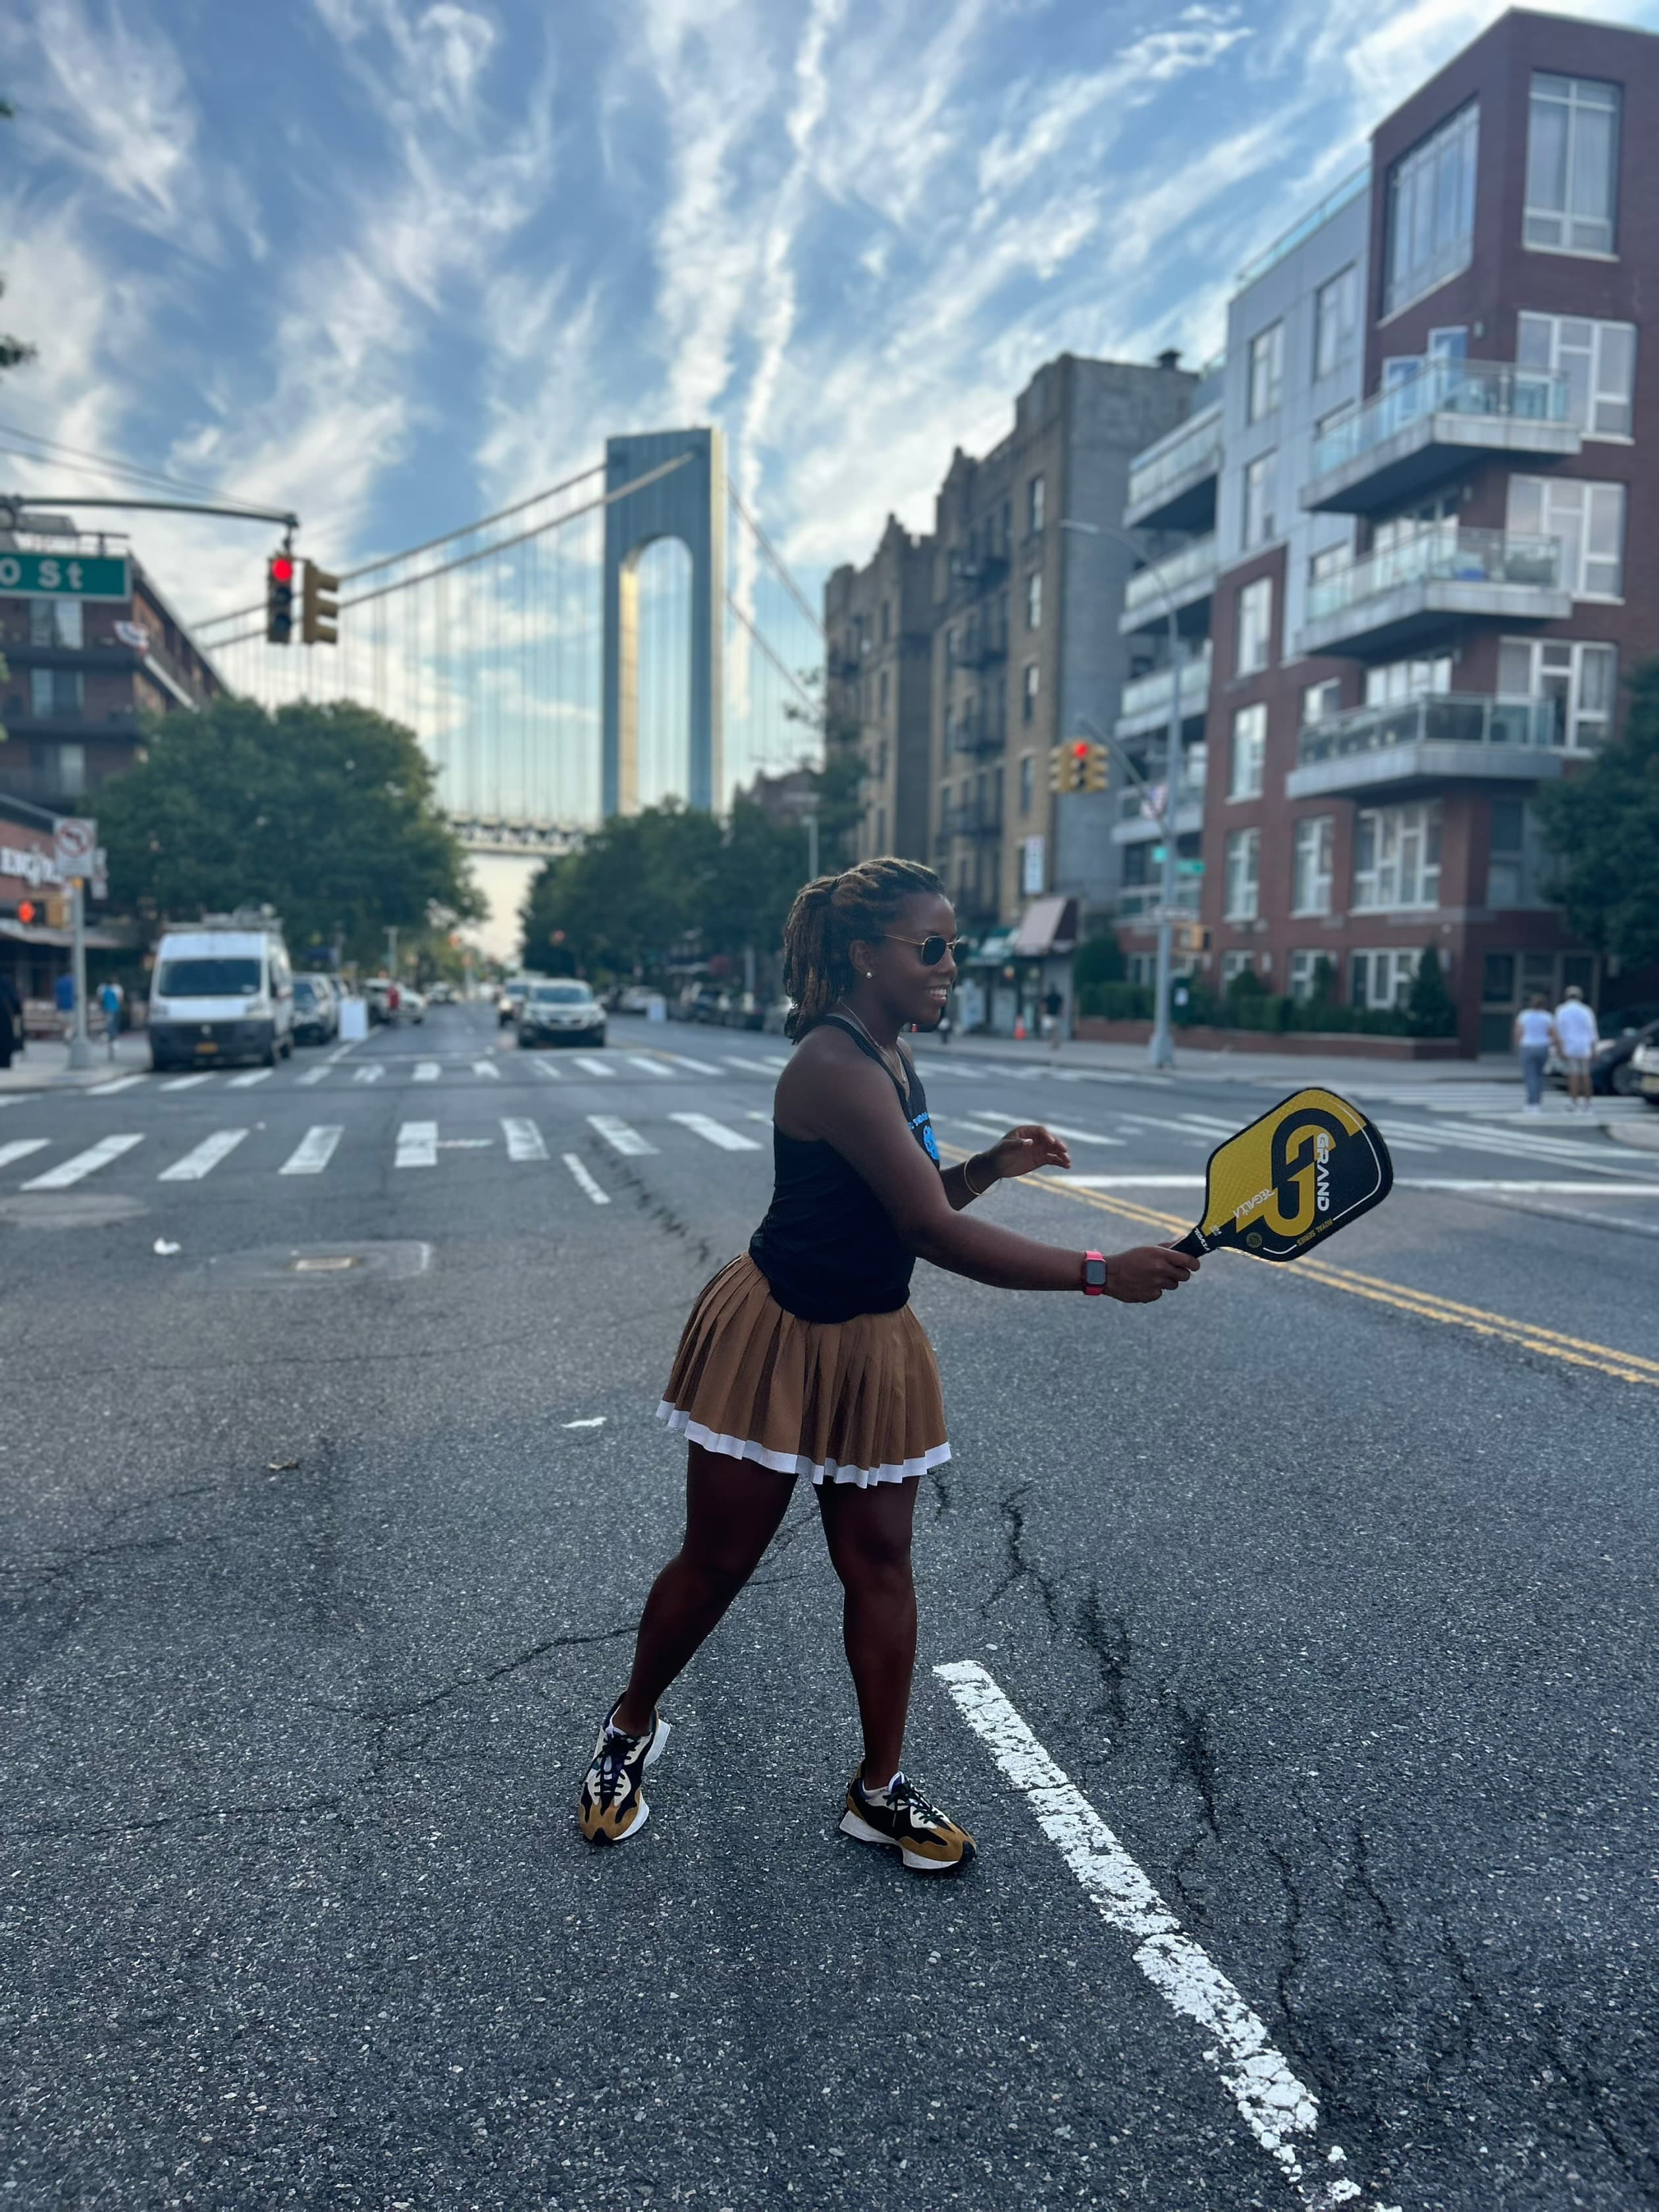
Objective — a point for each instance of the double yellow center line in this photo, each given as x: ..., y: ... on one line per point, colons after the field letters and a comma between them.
x: 1425, y: 1305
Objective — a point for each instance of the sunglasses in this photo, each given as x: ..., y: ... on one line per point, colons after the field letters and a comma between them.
x: 933, y: 949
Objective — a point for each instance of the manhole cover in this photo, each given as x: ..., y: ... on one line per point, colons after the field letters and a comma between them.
x: 68, y: 1209
x: 312, y: 1264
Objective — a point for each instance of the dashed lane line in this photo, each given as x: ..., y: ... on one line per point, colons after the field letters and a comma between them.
x: 21, y: 1148
x: 1275, y: 2103
x: 524, y: 1140
x: 619, y: 1136
x: 584, y: 1181
x: 84, y: 1163
x: 314, y: 1149
x: 715, y: 1132
x: 248, y: 1081
x: 204, y: 1157
x: 417, y: 1145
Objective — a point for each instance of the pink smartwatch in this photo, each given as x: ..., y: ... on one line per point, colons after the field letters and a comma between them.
x: 1094, y: 1275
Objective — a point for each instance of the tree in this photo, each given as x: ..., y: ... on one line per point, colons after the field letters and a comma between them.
x: 1430, y: 1012
x: 1098, y: 960
x: 1603, y: 824
x: 325, y: 812
x: 13, y: 351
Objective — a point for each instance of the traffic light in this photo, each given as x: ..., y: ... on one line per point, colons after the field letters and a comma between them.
x: 279, y: 598
x: 1094, y: 772
x: 27, y: 911
x: 319, y: 607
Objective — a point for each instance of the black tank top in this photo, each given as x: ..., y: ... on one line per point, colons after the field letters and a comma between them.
x: 827, y: 1248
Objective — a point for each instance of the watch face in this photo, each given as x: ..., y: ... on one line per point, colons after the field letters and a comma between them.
x: 1094, y: 1275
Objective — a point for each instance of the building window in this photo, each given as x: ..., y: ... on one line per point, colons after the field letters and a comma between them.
x: 56, y: 693
x: 1258, y: 479
x: 950, y: 646
x: 886, y: 620
x: 1310, y: 878
x: 1321, y: 700
x: 1396, y: 857
x: 1034, y: 599
x: 883, y: 691
x: 1583, y: 679
x: 1380, y: 979
x: 1029, y: 687
x: 1336, y: 321
x: 1027, y: 781
x: 881, y: 762
x: 1598, y: 361
x: 1244, y: 874
x: 1266, y: 371
x: 1515, y: 865
x: 1255, y: 622
x: 1302, y: 974
x: 1588, y: 518
x: 1034, y: 505
x: 1431, y: 209
x: 881, y: 829
x: 1394, y: 682
x: 57, y: 623
x: 1249, y: 746
x: 1572, y: 164
x: 1235, y: 964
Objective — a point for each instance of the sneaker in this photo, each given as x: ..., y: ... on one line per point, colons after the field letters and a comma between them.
x: 927, y: 1840
x: 612, y: 1805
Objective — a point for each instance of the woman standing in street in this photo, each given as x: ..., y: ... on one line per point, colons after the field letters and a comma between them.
x: 802, y: 1357
x: 1534, y: 1033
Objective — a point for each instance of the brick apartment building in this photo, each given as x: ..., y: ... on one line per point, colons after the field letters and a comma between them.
x: 1430, y: 560
x: 879, y: 623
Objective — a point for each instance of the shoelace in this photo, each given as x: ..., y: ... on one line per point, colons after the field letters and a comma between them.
x: 613, y: 1762
x: 921, y: 1814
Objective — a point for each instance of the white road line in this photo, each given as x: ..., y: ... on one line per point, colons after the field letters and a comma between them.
x: 1517, y: 1144
x: 487, y: 1069
x: 715, y: 1132
x: 754, y: 1066
x: 371, y: 1072
x: 524, y: 1140
x: 584, y: 1181
x: 121, y: 1083
x: 1136, y: 1182
x: 649, y: 1067
x: 618, y: 1135
x: 754, y: 1114
x: 593, y: 1065
x: 187, y: 1082
x: 247, y: 1082
x: 426, y: 1071
x: 204, y: 1158
x: 1580, y: 1189
x: 1002, y: 1124
x: 316, y: 1074
x: 341, y: 1050
x: 417, y: 1145
x: 697, y: 1067
x: 314, y: 1149
x: 1279, y: 2109
x: 553, y: 1075
x: 84, y: 1164
x: 20, y: 1147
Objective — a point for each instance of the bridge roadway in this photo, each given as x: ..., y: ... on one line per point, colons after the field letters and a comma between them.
x: 1298, y: 1634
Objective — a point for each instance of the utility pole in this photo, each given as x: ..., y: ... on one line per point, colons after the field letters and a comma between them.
x: 80, y: 1051
x: 391, y: 948
x: 811, y: 842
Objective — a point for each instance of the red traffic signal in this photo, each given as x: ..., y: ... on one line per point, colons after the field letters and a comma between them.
x: 282, y: 568
x: 279, y: 598
x: 27, y: 911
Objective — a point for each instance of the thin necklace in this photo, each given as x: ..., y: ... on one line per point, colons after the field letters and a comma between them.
x: 896, y: 1071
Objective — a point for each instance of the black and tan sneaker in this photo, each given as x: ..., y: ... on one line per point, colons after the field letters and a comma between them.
x: 612, y: 1807
x: 927, y: 1840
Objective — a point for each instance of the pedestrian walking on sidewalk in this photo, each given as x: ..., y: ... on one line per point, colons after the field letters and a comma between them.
x: 1576, y: 1039
x: 1054, y: 1006
x: 1534, y: 1033
x: 802, y: 1356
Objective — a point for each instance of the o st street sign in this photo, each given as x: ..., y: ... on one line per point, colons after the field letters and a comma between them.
x: 65, y: 575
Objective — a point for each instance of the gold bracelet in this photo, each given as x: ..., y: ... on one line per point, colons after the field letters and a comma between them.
x: 968, y: 1181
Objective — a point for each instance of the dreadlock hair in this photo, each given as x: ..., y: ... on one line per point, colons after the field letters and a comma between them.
x: 829, y: 915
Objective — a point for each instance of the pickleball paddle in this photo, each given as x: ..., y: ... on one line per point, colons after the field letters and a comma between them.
x: 1309, y: 1166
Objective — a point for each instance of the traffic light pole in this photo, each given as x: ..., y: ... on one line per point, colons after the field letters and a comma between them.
x: 80, y: 1045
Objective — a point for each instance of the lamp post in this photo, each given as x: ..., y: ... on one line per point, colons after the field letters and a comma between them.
x: 1160, y: 1047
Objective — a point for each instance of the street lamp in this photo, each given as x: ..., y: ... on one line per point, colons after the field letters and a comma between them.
x: 1160, y: 1048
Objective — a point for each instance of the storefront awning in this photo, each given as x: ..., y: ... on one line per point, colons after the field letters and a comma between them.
x: 35, y: 932
x: 998, y: 947
x: 1048, y: 925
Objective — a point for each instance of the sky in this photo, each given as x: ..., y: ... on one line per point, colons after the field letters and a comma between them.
x: 395, y: 263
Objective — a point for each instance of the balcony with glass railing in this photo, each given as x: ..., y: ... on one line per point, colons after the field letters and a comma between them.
x: 1144, y: 702
x: 1139, y: 818
x: 1429, y: 425
x: 1172, y: 483
x: 1407, y: 591
x: 1426, y: 741
x: 1182, y: 581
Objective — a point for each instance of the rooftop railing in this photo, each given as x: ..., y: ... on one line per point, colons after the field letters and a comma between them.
x: 1185, y: 452
x: 1495, y: 390
x: 1440, y: 554
x: 1440, y: 719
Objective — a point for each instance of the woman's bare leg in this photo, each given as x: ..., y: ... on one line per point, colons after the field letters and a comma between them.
x: 868, y: 1532
x: 733, y: 1510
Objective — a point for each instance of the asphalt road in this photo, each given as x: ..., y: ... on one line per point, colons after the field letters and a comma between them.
x: 330, y: 1490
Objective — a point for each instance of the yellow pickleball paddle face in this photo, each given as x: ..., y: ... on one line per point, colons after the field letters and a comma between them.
x: 1309, y: 1164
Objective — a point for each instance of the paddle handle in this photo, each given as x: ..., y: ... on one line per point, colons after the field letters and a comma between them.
x: 1192, y: 1244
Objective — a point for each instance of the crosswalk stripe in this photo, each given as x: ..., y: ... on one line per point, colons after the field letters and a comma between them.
x: 553, y: 1075
x: 754, y: 1066
x: 594, y: 1066
x: 19, y: 1149
x: 426, y: 1071
x: 487, y: 1068
x: 618, y: 1135
x: 121, y: 1083
x: 371, y: 1072
x: 697, y: 1067
x: 584, y: 1181
x: 648, y: 1066
x: 1516, y: 1143
x: 316, y: 1074
x: 715, y: 1132
x: 204, y: 1158
x: 314, y: 1149
x: 84, y: 1164
x: 187, y: 1082
x: 247, y: 1082
x: 1003, y: 1122
x: 417, y: 1145
x: 524, y: 1140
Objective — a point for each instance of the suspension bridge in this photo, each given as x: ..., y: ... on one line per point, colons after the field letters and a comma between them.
x: 627, y: 634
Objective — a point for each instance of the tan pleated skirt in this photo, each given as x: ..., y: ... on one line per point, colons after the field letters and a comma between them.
x: 843, y: 1401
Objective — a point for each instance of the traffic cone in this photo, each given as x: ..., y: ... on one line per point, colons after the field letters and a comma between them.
x: 1019, y: 1029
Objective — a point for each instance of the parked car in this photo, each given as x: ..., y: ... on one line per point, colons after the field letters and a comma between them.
x: 316, y: 1010
x: 561, y: 1013
x: 704, y: 1005
x: 635, y: 1000
x: 1610, y: 1064
x: 412, y: 1003
x: 774, y: 1016
x: 219, y: 995
x: 509, y: 1000
x: 441, y: 994
x: 1644, y: 1062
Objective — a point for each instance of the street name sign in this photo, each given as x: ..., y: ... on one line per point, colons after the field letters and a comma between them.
x: 66, y: 575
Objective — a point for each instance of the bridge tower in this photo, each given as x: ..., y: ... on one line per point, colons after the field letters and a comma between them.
x: 689, y: 503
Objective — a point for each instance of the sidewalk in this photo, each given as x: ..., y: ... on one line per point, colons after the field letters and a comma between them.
x: 1282, y: 1071
x: 45, y: 1066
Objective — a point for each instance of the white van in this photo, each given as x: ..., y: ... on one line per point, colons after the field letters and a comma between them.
x: 219, y: 995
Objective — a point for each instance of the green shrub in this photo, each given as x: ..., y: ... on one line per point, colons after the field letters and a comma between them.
x: 1430, y: 1012
x: 1115, y: 1002
x: 1098, y: 960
